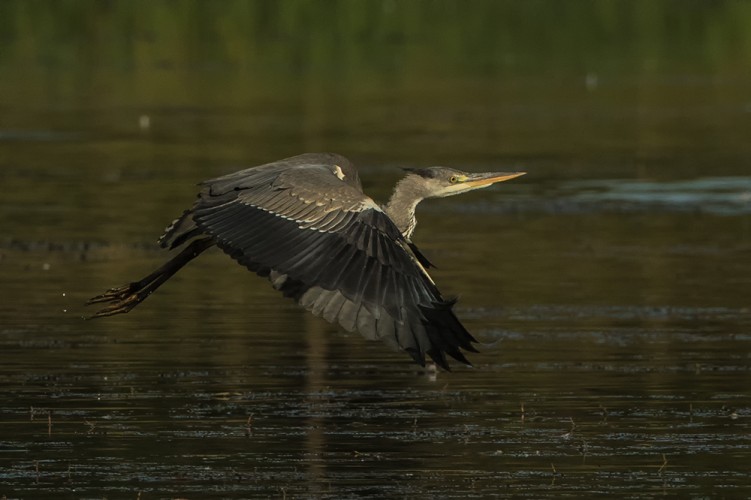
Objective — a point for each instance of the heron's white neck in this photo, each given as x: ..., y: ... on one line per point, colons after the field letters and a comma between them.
x: 401, y: 207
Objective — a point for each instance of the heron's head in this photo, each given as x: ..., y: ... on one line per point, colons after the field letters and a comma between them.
x: 437, y: 182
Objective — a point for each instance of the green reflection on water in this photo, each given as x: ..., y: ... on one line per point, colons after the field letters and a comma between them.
x: 465, y: 81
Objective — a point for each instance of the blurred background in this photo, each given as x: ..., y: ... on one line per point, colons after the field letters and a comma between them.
x: 609, y: 286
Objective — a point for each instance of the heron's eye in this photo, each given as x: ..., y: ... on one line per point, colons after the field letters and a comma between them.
x: 453, y: 179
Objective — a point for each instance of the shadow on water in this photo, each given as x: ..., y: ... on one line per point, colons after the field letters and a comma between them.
x: 608, y: 287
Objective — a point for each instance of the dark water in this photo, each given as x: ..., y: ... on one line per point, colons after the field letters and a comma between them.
x: 610, y: 286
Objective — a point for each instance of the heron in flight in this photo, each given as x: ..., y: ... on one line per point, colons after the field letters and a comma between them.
x: 306, y: 225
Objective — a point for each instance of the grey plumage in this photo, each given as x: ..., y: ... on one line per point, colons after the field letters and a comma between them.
x: 305, y: 224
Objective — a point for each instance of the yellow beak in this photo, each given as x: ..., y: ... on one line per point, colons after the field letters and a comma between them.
x: 486, y: 179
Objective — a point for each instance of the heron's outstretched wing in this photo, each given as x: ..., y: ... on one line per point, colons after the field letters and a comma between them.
x: 309, y: 228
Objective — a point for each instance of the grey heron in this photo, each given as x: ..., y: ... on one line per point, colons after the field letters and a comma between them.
x: 306, y: 225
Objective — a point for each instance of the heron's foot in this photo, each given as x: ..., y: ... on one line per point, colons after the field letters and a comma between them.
x: 122, y: 299
x: 114, y: 294
x: 121, y: 305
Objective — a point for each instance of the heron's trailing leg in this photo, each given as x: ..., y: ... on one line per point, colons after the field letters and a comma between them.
x: 124, y: 298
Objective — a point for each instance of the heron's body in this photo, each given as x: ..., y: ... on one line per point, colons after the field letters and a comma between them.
x: 305, y: 224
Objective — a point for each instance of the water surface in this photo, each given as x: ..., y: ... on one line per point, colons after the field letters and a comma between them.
x: 609, y: 286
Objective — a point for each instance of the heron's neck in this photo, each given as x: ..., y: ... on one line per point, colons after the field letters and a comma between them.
x: 401, y: 207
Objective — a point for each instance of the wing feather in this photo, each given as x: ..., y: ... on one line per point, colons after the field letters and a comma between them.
x: 334, y: 307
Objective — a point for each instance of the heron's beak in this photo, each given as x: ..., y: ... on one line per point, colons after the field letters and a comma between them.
x: 488, y: 178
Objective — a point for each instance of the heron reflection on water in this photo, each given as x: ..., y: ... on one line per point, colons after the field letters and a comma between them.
x: 306, y: 225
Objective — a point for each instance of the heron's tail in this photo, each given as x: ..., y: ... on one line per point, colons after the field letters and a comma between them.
x: 181, y: 230
x: 124, y: 298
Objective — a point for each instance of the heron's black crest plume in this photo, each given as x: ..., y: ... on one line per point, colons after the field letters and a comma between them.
x: 428, y: 173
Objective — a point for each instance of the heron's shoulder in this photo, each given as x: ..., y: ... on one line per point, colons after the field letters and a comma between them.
x: 316, y: 168
x: 321, y: 169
